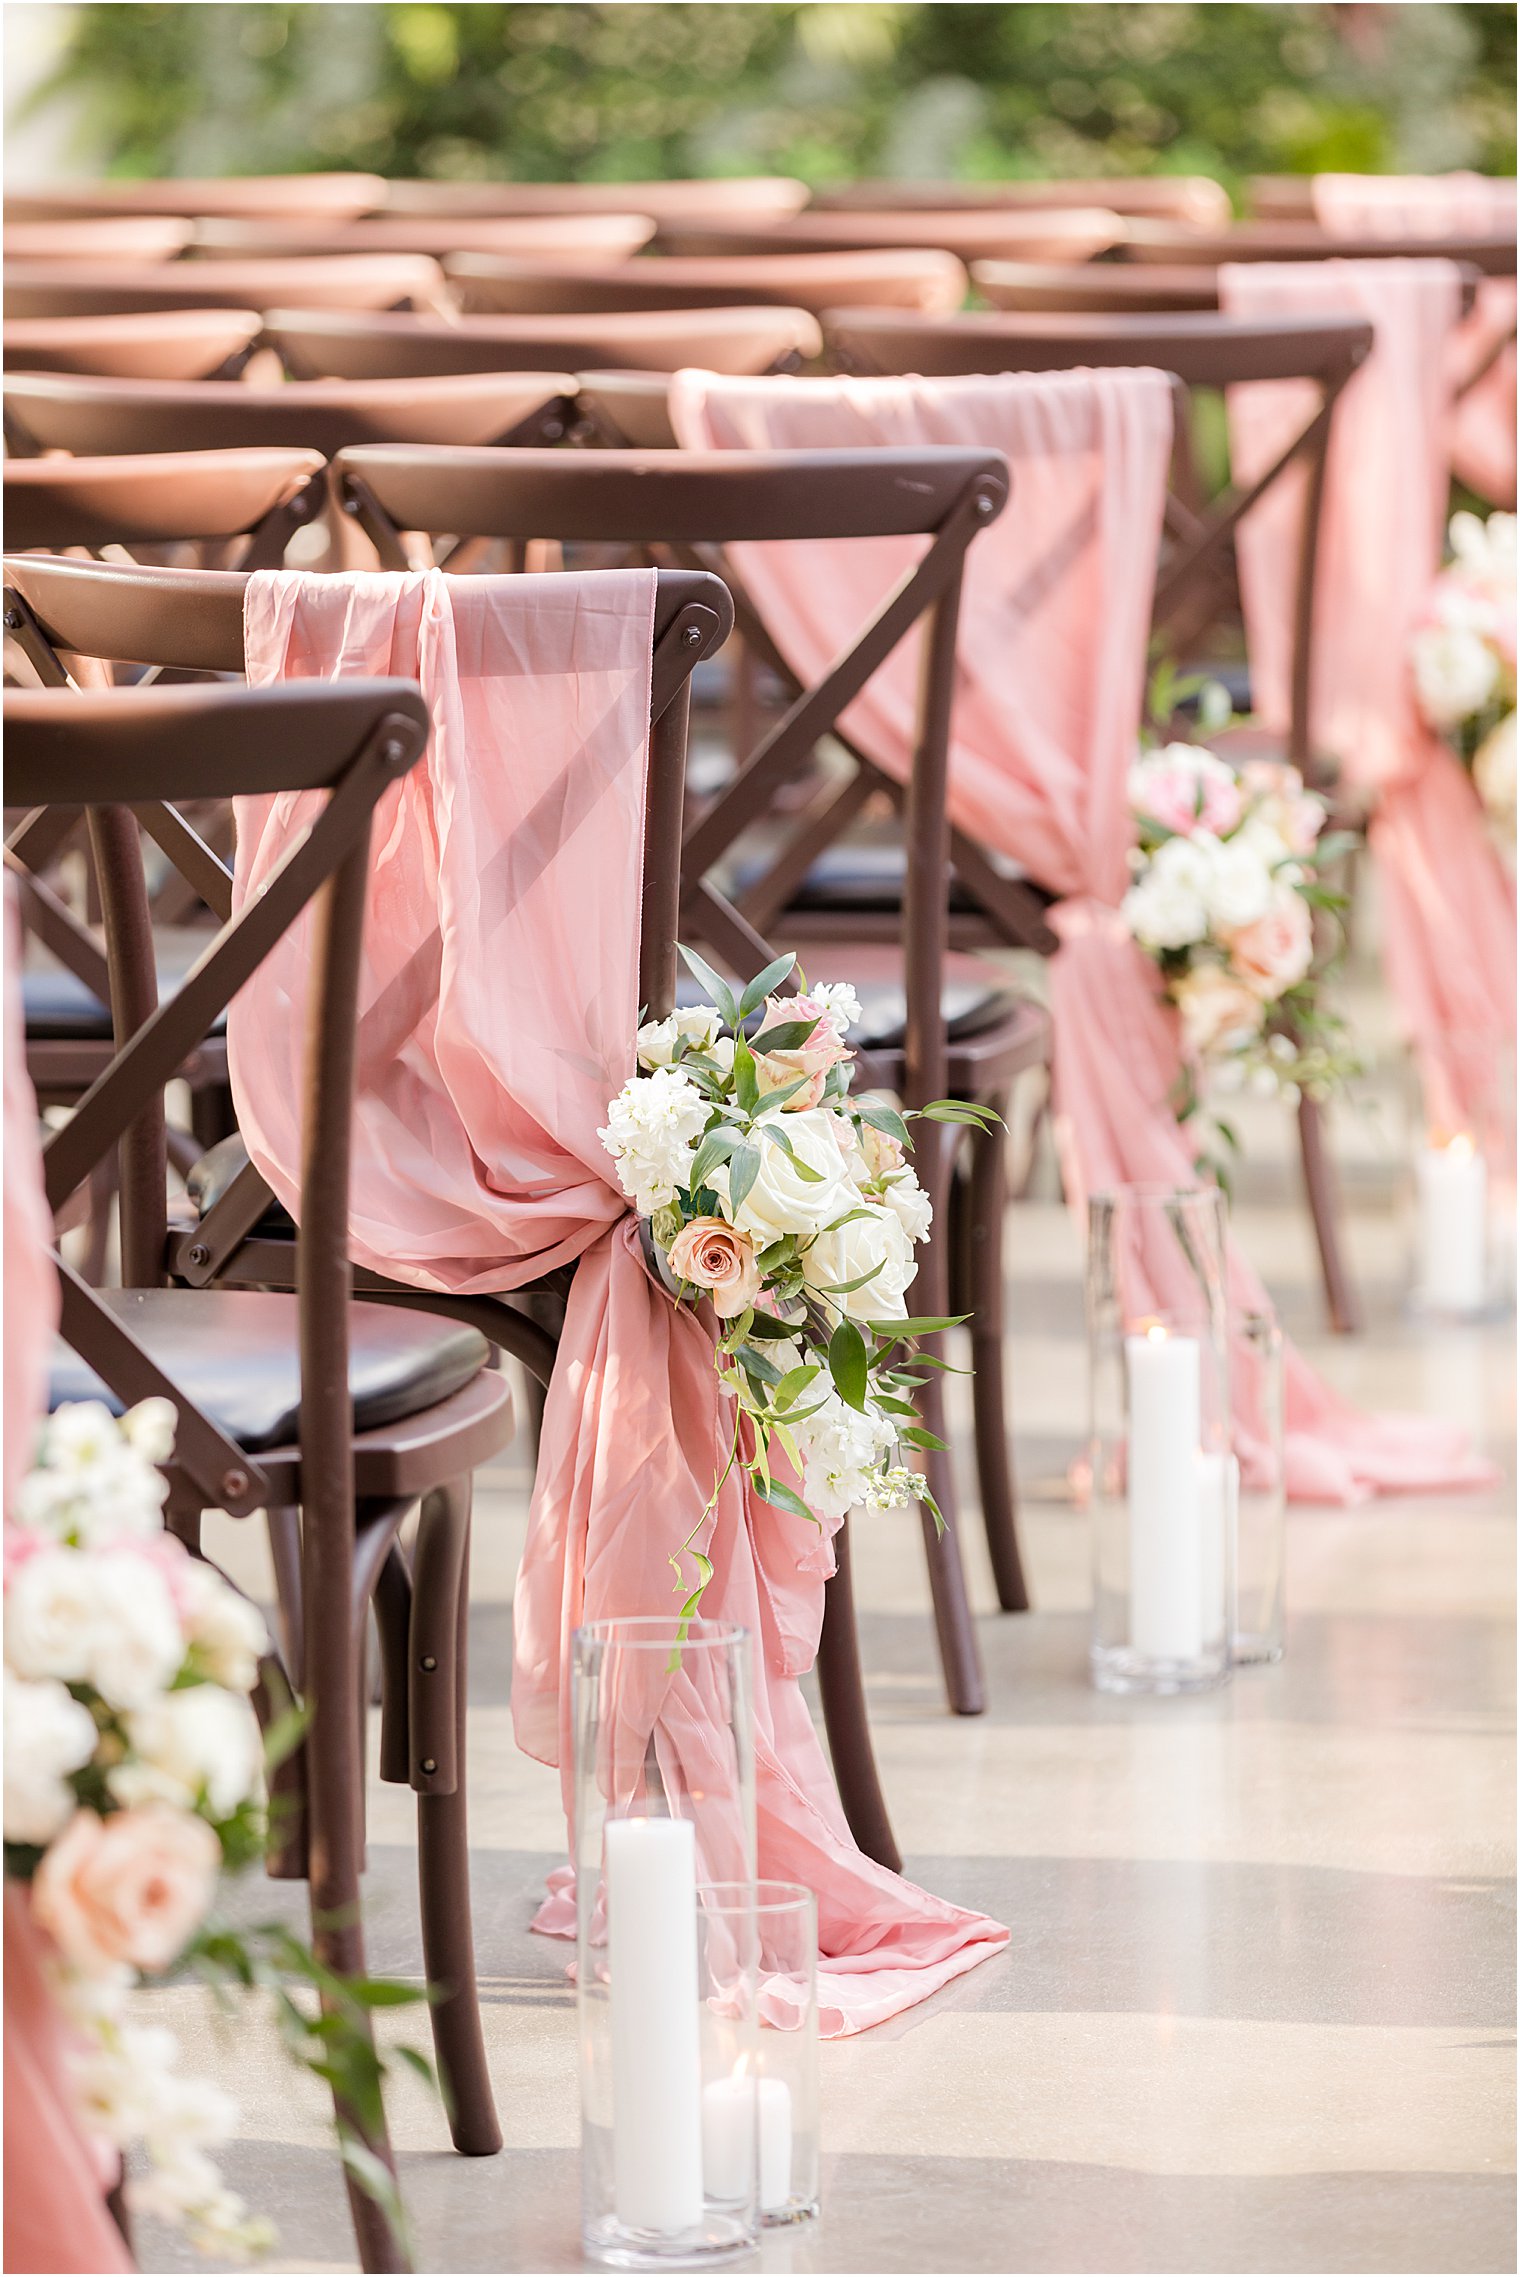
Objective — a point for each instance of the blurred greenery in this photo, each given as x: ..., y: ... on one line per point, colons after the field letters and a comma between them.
x: 817, y: 89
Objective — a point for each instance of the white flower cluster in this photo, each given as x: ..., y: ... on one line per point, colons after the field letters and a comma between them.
x: 127, y: 1668
x: 1463, y: 653
x: 651, y: 1133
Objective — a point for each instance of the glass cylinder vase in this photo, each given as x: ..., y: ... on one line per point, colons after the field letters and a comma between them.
x: 782, y: 2079
x: 1259, y: 1493
x: 1161, y: 1454
x: 1462, y: 1149
x: 664, y: 1801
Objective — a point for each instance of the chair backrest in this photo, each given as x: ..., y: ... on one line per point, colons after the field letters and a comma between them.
x: 1491, y: 251
x: 363, y: 347
x: 971, y: 233
x: 914, y: 278
x: 1196, y: 584
x: 110, y: 752
x: 127, y: 237
x: 162, y: 498
x: 161, y: 344
x: 755, y: 194
x: 298, y: 196
x: 349, y: 280
x: 56, y: 411
x: 593, y: 237
x: 1093, y: 287
x: 693, y: 504
x: 1189, y: 197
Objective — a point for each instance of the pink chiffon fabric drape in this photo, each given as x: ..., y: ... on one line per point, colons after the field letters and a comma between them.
x: 1449, y: 920
x: 1049, y: 692
x: 55, y: 2211
x: 499, y: 1001
x: 1481, y: 419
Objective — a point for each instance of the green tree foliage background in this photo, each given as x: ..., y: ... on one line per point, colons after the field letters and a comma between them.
x: 826, y: 91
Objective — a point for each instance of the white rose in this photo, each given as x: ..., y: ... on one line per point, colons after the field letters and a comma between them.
x: 1494, y: 770
x: 1218, y: 1012
x: 199, y: 1738
x: 1455, y: 673
x: 909, y: 1204
x: 657, y: 1040
x: 782, y: 1200
x: 1238, y: 888
x: 874, y: 1243
x: 229, y: 1632
x: 1166, y: 908
x: 652, y: 1128
x: 47, y: 1735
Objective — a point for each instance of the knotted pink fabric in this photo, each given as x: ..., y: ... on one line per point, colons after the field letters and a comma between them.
x: 1449, y: 929
x: 1481, y: 420
x: 1050, y: 685
x: 499, y: 1001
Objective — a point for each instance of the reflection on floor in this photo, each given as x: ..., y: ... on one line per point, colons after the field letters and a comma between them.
x: 1257, y: 2011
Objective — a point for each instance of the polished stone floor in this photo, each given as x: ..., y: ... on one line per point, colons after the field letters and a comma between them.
x: 1257, y: 2012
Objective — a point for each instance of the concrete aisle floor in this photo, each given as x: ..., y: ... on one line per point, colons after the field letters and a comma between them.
x: 1257, y: 2011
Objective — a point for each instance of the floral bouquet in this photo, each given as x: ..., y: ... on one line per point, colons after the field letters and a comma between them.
x: 133, y: 1775
x: 768, y: 1191
x: 1226, y: 881
x: 1463, y: 658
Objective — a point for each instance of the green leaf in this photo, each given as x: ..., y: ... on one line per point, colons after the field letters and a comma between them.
x: 746, y: 1082
x: 924, y: 1324
x: 960, y: 1111
x: 743, y: 1170
x: 755, y: 1364
x: 763, y: 983
x: 795, y: 1384
x: 885, y: 1119
x: 917, y: 1436
x: 784, y: 1498
x: 718, y: 989
x: 847, y: 1288
x: 786, y: 1036
x: 715, y: 1148
x: 765, y: 1324
x: 848, y: 1365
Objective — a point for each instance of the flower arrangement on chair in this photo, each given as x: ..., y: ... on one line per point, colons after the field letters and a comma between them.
x: 1226, y: 883
x: 766, y: 1190
x: 134, y: 1775
x: 1462, y: 656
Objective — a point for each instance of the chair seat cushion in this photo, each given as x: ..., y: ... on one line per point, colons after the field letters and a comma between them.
x: 60, y: 1009
x: 859, y: 874
x: 976, y: 995
x: 234, y: 1353
x: 209, y: 1179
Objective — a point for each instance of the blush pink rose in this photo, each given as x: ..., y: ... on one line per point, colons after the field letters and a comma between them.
x: 712, y: 1256
x: 130, y: 1888
x: 820, y: 1050
x: 1186, y: 789
x: 1275, y: 952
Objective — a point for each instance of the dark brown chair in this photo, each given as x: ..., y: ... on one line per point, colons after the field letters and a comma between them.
x: 362, y: 347
x: 1280, y: 197
x: 921, y: 278
x: 1194, y: 198
x: 930, y: 1030
x: 592, y: 237
x: 127, y: 237
x: 1195, y: 589
x: 1093, y: 287
x: 969, y: 232
x: 350, y: 280
x: 157, y: 499
x: 1158, y: 241
x: 47, y: 411
x: 163, y: 344
x: 756, y: 195
x: 354, y: 1412
x: 293, y: 196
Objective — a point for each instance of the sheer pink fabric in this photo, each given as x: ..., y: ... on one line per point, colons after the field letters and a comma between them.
x: 1048, y: 699
x: 1450, y: 917
x: 31, y: 1281
x: 500, y: 997
x: 1482, y: 419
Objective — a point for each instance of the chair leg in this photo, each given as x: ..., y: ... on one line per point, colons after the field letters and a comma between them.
x: 959, y: 1654
x: 440, y: 1627
x: 284, y: 1527
x: 984, y: 1216
x: 844, y: 1715
x: 1324, y: 1208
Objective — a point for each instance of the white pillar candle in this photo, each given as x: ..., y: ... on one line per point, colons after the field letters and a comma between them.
x: 1165, y: 1495
x: 1219, y: 1492
x: 651, y: 1867
x: 1452, y: 1183
x: 728, y: 2139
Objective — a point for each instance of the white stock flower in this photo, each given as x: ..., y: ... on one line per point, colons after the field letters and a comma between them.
x: 149, y: 1428
x: 1165, y: 908
x: 98, y: 1618
x: 1455, y: 672
x: 783, y: 1199
x: 47, y: 1735
x: 657, y: 1040
x: 1494, y: 771
x: 199, y: 1739
x: 909, y: 1204
x: 874, y: 1243
x: 229, y: 1633
x: 122, y: 2078
x: 1238, y: 885
x: 842, y: 1455
x: 91, y: 1485
x: 1484, y: 546
x: 651, y: 1132
x: 840, y: 1005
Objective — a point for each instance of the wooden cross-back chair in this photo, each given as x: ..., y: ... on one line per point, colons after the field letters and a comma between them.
x: 916, y: 277
x: 1196, y: 198
x: 1195, y: 588
x: 160, y: 344
x: 1490, y: 251
x: 938, y: 1032
x: 341, y: 345
x: 614, y: 234
x: 105, y: 288
x: 296, y: 196
x: 1114, y: 288
x: 353, y: 1412
x: 260, y: 496
x: 1033, y: 233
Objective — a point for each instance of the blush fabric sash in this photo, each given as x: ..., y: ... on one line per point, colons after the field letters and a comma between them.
x: 499, y: 1001
x: 1449, y: 923
x: 1050, y: 684
x: 1481, y: 431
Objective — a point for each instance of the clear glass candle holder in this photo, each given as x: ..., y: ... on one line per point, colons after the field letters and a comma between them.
x: 664, y: 1802
x: 782, y: 2081
x: 1259, y: 1496
x: 1161, y: 1453
x: 1462, y: 1187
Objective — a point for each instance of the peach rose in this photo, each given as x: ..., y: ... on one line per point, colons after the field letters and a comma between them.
x: 130, y: 1888
x: 1217, y: 1010
x: 820, y: 1050
x: 1276, y: 951
x: 712, y: 1256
